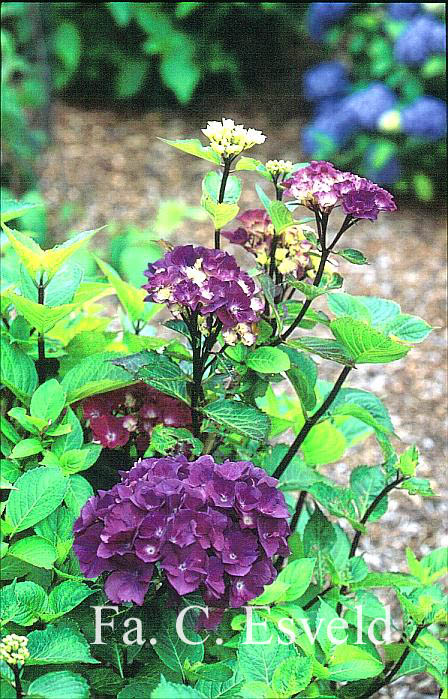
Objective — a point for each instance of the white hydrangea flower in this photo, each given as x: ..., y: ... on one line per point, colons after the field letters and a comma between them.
x: 229, y: 139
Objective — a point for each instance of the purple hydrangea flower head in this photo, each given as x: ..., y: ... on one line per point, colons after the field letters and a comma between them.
x: 423, y: 36
x: 321, y: 15
x: 207, y: 526
x: 366, y: 106
x: 209, y: 282
x: 425, y: 118
x: 402, y: 10
x: 129, y: 413
x: 321, y: 187
x: 326, y: 80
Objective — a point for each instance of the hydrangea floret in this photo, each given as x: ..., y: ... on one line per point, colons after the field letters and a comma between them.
x: 199, y: 282
x: 229, y: 139
x: 208, y: 526
x: 131, y: 413
x: 13, y: 649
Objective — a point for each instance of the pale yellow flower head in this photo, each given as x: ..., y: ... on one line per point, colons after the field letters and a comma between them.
x: 229, y: 139
x: 13, y: 649
x: 278, y: 167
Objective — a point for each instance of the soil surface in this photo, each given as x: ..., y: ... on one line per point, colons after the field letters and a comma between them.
x: 113, y: 168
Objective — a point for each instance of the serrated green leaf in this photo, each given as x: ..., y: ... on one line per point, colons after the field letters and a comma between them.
x: 22, y: 602
x: 13, y: 209
x: 193, y: 146
x: 58, y: 644
x: 26, y: 447
x: 65, y: 597
x: 292, y: 676
x: 78, y: 492
x: 327, y: 349
x: 268, y: 360
x: 356, y: 257
x: 350, y: 663
x: 238, y: 417
x: 130, y: 298
x: 38, y: 493
x: 365, y: 344
x: 34, y: 550
x: 54, y: 685
x: 94, y: 374
x: 18, y: 372
x: 211, y: 185
x: 221, y: 214
x: 48, y: 401
x: 281, y: 216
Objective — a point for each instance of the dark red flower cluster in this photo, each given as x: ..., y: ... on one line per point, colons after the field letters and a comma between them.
x: 209, y: 526
x: 117, y: 416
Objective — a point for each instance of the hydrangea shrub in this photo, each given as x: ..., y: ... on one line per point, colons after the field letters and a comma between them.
x: 381, y: 106
x: 167, y: 506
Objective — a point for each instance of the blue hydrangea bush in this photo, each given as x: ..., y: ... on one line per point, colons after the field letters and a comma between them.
x: 170, y: 524
x: 379, y: 100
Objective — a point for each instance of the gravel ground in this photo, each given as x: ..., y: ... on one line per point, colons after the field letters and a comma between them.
x: 114, y: 168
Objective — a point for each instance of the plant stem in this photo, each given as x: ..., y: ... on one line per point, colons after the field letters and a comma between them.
x: 356, y: 539
x: 310, y: 422
x: 197, y: 373
x: 399, y: 479
x: 17, y: 682
x: 40, y: 366
x: 395, y: 668
x: 325, y: 252
x: 298, y: 511
x: 222, y: 189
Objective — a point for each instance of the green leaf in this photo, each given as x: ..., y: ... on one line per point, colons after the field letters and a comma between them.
x: 48, y: 401
x: 238, y: 417
x: 327, y: 614
x: 263, y: 198
x: 281, y: 216
x: 408, y: 461
x: 356, y: 257
x: 211, y: 185
x: 54, y: 685
x: 318, y: 539
x: 174, y: 691
x: 43, y: 318
x: 361, y: 404
x: 193, y: 146
x: 268, y: 287
x: 258, y: 661
x: 13, y: 209
x: 130, y: 298
x: 365, y: 344
x: 366, y: 483
x: 38, y: 493
x: 221, y: 214
x: 18, y: 372
x: 135, y: 690
x: 27, y: 447
x: 303, y: 376
x: 324, y: 444
x: 297, y: 575
x: 121, y: 12
x: 158, y: 371
x: 130, y: 76
x: 171, y: 650
x: 73, y: 439
x: 57, y: 528
x: 408, y: 328
x: 78, y: 492
x: 22, y: 602
x: 245, y: 163
x: 327, y: 349
x: 65, y: 597
x: 58, y: 644
x: 349, y: 663
x: 268, y: 360
x: 13, y: 568
x: 34, y: 550
x: 92, y: 375
x: 292, y: 676
x: 337, y: 500
x: 395, y: 580
x: 418, y: 486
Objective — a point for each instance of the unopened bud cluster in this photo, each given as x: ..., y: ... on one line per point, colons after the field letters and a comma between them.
x: 229, y: 139
x: 278, y: 167
x: 13, y: 649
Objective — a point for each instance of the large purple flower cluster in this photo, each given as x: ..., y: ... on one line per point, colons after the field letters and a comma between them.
x: 209, y: 282
x: 320, y: 187
x: 210, y: 527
